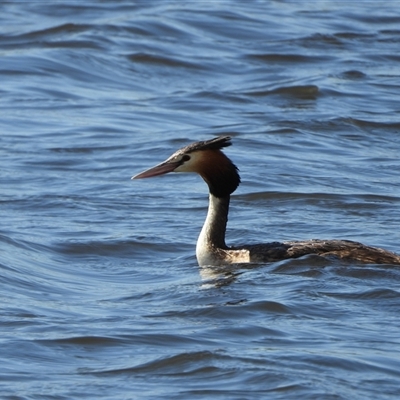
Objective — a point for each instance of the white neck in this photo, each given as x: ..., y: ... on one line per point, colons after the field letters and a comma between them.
x: 212, y: 237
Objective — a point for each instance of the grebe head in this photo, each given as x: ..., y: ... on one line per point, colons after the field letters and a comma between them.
x: 206, y: 159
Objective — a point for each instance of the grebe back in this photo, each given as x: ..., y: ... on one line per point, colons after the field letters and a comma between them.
x: 222, y: 178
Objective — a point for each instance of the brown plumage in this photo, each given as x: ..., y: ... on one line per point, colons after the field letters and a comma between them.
x: 222, y: 178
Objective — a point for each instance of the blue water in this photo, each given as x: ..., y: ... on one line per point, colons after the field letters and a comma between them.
x: 101, y: 294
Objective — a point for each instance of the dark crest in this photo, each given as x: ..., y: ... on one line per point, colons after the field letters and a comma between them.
x: 212, y: 144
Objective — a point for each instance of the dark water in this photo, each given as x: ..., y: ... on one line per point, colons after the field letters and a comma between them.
x: 101, y: 295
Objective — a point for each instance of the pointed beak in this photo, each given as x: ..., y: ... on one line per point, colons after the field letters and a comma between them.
x: 160, y: 169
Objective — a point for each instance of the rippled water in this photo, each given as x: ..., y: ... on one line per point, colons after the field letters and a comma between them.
x: 101, y: 295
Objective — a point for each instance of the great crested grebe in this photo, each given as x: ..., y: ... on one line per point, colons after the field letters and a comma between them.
x: 222, y: 178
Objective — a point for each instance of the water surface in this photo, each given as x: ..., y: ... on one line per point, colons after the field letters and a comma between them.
x: 101, y: 295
